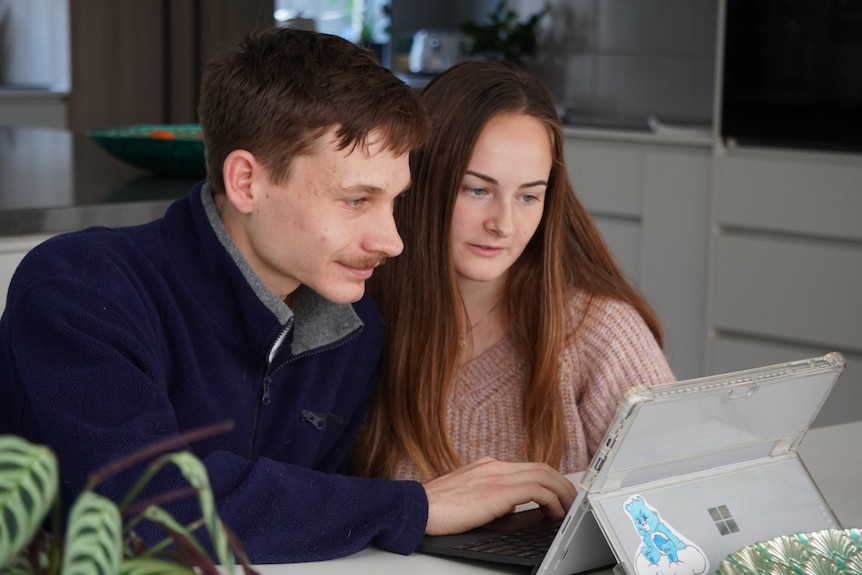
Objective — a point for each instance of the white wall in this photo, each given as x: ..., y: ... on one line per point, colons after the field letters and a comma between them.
x: 34, y: 43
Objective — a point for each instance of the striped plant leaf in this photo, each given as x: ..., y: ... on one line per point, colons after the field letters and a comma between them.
x: 178, y: 531
x: 93, y: 537
x: 196, y: 474
x: 143, y: 566
x: 19, y: 565
x: 28, y: 485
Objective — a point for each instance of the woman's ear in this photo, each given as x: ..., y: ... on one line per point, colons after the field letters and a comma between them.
x: 240, y: 170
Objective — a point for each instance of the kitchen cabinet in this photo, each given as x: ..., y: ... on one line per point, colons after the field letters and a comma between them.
x: 749, y: 256
x: 786, y: 263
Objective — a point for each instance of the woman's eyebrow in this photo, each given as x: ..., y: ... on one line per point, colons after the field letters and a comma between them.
x: 491, y: 180
x: 481, y: 176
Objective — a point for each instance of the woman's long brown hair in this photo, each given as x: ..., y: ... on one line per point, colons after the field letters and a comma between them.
x: 418, y: 292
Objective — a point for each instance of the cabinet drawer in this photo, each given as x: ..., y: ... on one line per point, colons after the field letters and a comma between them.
x: 607, y: 177
x: 792, y: 194
x: 789, y: 290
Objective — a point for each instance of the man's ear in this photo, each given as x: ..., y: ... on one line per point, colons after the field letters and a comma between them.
x: 240, y: 171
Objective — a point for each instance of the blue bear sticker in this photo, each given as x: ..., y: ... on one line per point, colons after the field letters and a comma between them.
x: 663, y: 551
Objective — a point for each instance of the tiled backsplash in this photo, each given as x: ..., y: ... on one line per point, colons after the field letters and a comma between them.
x: 630, y: 57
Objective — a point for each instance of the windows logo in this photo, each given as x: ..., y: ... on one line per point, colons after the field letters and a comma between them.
x: 725, y: 523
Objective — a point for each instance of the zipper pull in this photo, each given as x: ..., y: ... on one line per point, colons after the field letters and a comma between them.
x: 319, y: 419
x: 314, y: 419
x: 265, y: 396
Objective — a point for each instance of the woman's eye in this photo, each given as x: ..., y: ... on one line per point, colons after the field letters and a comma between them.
x: 475, y: 191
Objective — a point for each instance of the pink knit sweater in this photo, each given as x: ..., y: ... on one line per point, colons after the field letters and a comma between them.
x: 612, y: 351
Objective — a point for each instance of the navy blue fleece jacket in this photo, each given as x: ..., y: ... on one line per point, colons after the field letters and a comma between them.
x: 113, y: 339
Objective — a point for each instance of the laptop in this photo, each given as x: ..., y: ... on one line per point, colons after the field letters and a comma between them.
x: 688, y: 473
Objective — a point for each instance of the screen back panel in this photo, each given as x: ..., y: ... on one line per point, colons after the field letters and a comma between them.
x: 689, y: 426
x: 691, y: 471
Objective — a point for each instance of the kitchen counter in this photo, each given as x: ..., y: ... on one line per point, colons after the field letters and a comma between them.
x: 642, y: 129
x: 32, y: 105
x: 31, y: 91
x: 53, y: 181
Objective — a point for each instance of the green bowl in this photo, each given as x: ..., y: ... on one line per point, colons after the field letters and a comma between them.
x: 826, y: 552
x: 166, y: 149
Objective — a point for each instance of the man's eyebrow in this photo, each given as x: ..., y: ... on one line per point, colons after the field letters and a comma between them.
x: 361, y: 189
x: 366, y: 189
x: 491, y: 180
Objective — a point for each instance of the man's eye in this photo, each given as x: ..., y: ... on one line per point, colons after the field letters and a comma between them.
x: 355, y: 203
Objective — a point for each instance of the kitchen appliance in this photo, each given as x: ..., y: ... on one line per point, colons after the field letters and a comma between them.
x: 434, y: 51
x: 791, y: 74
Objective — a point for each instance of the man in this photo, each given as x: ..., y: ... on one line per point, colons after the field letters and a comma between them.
x: 246, y: 303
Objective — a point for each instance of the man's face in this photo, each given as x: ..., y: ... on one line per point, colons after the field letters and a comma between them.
x: 330, y: 224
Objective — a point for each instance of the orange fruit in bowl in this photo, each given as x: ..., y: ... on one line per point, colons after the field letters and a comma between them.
x: 162, y: 135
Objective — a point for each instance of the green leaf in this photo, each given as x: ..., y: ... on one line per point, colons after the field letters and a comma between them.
x: 94, y: 537
x: 196, y: 474
x: 141, y: 566
x: 28, y: 485
x: 179, y: 534
x: 19, y: 565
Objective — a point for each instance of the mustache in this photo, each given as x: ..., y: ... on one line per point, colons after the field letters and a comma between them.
x: 366, y: 262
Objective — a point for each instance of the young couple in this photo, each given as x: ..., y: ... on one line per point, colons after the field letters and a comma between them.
x: 509, y: 331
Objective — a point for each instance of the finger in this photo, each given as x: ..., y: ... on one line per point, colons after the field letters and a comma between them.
x: 545, y: 476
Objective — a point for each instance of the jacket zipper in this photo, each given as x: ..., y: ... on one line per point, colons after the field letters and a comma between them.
x: 273, y: 369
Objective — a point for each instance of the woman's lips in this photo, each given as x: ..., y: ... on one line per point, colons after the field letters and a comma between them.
x: 485, y: 250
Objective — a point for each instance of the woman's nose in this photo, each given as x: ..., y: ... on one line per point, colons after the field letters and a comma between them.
x: 502, y: 223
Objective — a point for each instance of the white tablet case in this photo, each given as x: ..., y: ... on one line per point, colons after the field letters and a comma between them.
x: 691, y: 471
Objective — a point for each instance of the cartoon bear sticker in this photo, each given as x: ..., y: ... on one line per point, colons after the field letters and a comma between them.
x: 663, y: 551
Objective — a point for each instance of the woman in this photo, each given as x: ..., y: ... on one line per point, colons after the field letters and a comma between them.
x: 511, y: 331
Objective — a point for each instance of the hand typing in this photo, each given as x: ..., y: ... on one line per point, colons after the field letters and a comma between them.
x: 486, y: 489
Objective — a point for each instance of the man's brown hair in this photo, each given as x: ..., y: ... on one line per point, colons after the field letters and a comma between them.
x: 281, y: 88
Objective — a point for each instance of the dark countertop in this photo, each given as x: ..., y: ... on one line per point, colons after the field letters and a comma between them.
x: 53, y: 181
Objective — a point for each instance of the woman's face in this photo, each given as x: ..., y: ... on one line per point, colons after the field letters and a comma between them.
x: 501, y: 198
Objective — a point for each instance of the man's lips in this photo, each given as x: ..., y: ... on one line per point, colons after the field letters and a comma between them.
x: 363, y: 268
x: 360, y: 273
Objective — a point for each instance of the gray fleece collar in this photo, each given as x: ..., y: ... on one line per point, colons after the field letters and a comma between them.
x: 318, y: 321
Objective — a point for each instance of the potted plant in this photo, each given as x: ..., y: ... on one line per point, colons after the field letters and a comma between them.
x: 504, y: 37
x: 99, y: 536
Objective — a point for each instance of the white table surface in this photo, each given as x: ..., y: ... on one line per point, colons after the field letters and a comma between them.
x: 833, y: 457
x: 831, y: 454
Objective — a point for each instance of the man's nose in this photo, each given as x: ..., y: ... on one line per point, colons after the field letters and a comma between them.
x: 385, y: 237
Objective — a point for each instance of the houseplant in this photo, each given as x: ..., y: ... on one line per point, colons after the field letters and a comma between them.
x: 99, y: 536
x: 504, y: 37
